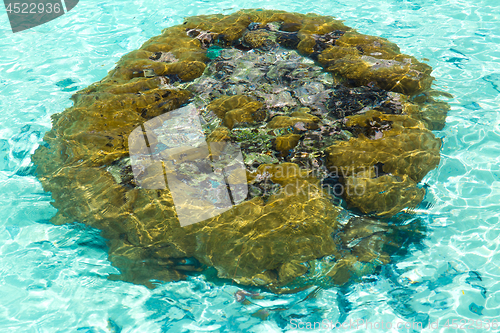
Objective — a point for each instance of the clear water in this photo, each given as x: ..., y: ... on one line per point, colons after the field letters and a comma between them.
x: 53, y: 278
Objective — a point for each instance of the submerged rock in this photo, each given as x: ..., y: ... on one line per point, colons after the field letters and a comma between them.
x: 313, y: 106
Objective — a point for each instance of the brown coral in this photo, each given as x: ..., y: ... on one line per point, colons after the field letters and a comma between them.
x: 272, y: 241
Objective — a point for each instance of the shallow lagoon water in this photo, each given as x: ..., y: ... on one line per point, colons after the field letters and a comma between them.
x: 53, y: 278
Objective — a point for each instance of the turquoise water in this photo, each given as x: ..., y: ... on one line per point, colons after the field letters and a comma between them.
x: 53, y: 278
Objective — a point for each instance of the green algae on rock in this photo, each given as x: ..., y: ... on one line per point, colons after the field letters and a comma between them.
x: 308, y: 100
